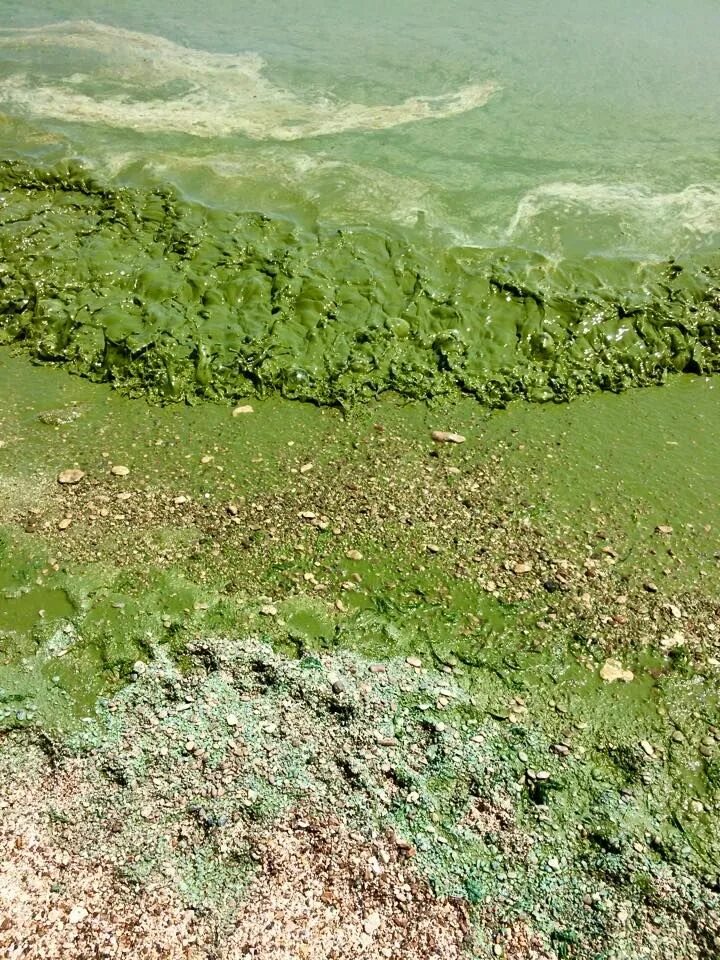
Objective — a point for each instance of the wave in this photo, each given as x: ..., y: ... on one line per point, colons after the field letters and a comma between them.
x: 151, y: 84
x: 634, y: 213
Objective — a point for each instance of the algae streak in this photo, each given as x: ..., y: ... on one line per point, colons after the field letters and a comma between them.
x: 162, y: 296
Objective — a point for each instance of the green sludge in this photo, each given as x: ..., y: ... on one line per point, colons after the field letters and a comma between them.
x: 160, y: 295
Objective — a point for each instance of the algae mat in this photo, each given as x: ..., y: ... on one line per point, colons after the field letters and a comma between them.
x: 176, y: 300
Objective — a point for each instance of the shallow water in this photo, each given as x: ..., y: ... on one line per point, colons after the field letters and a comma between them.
x: 571, y: 128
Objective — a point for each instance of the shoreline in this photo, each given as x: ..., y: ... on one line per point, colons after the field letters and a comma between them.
x: 435, y: 657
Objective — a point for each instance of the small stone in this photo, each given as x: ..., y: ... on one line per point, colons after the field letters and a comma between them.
x: 77, y: 914
x: 206, y: 459
x: 678, y: 736
x: 433, y: 548
x: 413, y: 662
x: 269, y: 610
x: 243, y: 408
x: 442, y: 436
x: 338, y: 687
x: 354, y: 555
x: 385, y: 741
x: 178, y: 501
x: 65, y: 523
x: 231, y: 720
x: 613, y: 670
x: 372, y: 923
x: 650, y: 587
x: 306, y: 467
x: 190, y: 746
x: 120, y: 471
x: 663, y: 528
x: 524, y: 567
x: 647, y: 748
x: 140, y: 667
x: 69, y: 477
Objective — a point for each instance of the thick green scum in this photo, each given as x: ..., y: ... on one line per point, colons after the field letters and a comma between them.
x: 169, y: 297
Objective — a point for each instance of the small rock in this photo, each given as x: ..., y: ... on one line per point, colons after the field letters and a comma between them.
x: 650, y: 587
x: 65, y: 523
x: 140, y: 667
x: 207, y: 458
x: 231, y: 720
x: 663, y: 528
x: 244, y: 408
x: 524, y: 567
x: 433, y: 548
x: 338, y: 687
x: 77, y: 914
x: 306, y: 467
x: 69, y: 477
x: 442, y: 436
x: 269, y: 610
x: 648, y: 748
x: 613, y: 670
x: 413, y: 662
x: 354, y: 555
x: 178, y: 501
x: 120, y: 471
x: 372, y: 923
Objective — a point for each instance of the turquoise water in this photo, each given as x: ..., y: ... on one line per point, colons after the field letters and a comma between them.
x: 571, y: 128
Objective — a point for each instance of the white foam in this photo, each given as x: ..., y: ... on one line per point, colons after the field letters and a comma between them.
x: 635, y: 208
x: 151, y: 84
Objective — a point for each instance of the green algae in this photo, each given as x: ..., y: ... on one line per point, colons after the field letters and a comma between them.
x: 171, y: 299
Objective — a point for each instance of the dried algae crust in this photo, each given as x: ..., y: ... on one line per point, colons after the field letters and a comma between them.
x: 178, y: 300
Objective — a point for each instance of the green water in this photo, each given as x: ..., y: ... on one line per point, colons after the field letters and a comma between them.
x: 505, y: 199
x: 562, y: 126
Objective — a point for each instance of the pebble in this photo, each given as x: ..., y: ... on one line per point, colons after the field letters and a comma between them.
x: 443, y: 436
x: 77, y: 914
x: 613, y: 670
x: 231, y: 720
x: 413, y: 662
x: 354, y: 555
x: 650, y: 587
x: 140, y: 667
x: 306, y: 467
x: 70, y: 476
x: 120, y: 471
x: 524, y: 567
x: 338, y: 687
x: 269, y: 610
x: 663, y: 528
x: 372, y: 923
x: 244, y: 408
x: 64, y: 524
x: 648, y: 748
